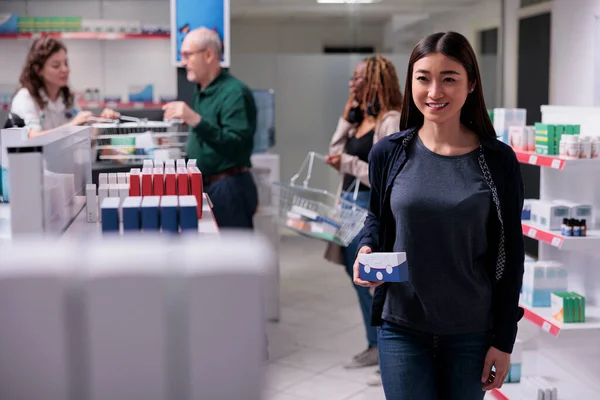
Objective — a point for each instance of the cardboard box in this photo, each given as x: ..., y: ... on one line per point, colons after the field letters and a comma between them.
x: 132, y: 214
x: 188, y: 213
x: 545, y: 139
x: 110, y: 214
x: 548, y: 215
x: 383, y: 267
x: 169, y: 210
x: 540, y: 280
x: 578, y: 210
x: 150, y: 213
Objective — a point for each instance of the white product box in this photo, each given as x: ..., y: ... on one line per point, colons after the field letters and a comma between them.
x: 102, y: 178
x: 159, y: 163
x: 180, y: 163
x: 148, y: 164
x: 112, y: 178
x: 530, y: 138
x: 169, y: 163
x: 383, y: 267
x: 548, y: 214
x: 518, y: 137
x: 91, y: 203
x: 121, y: 178
x: 540, y: 279
x: 113, y: 190
x: 305, y: 213
x: 102, y: 194
x: 504, y: 118
x: 578, y: 211
x: 191, y: 163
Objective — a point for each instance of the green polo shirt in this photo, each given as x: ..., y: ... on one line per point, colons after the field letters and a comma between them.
x: 224, y: 138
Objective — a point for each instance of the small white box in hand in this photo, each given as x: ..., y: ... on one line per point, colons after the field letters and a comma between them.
x: 383, y: 267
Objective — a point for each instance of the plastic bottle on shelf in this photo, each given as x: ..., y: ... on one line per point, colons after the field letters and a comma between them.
x: 572, y: 145
x: 586, y: 147
x: 595, y: 147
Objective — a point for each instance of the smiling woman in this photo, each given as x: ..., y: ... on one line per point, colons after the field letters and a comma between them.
x: 449, y: 195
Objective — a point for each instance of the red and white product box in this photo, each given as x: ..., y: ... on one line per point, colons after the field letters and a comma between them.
x: 159, y: 182
x: 147, y: 182
x: 183, y: 186
x: 135, y: 183
x: 196, y: 186
x: 170, y: 182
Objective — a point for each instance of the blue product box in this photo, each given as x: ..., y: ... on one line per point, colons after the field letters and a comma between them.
x: 142, y: 94
x: 168, y: 214
x: 132, y: 214
x: 110, y: 214
x: 150, y: 213
x: 383, y: 267
x: 188, y: 213
x: 9, y: 23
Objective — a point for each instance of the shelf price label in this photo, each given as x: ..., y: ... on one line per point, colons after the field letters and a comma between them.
x: 532, y: 233
x: 532, y: 159
x: 556, y: 164
x: 546, y: 326
x: 556, y: 241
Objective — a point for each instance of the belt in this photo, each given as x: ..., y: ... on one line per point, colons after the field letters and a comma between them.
x: 224, y: 174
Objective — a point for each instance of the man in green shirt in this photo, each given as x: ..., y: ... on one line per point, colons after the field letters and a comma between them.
x: 222, y: 125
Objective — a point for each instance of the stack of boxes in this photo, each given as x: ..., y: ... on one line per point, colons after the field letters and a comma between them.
x: 559, y: 215
x: 522, y: 138
x: 304, y: 220
x: 548, y: 137
x: 157, y: 197
x: 505, y: 118
x: 568, y: 307
x: 540, y: 280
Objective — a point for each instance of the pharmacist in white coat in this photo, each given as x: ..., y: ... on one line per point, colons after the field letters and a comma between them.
x: 45, y: 101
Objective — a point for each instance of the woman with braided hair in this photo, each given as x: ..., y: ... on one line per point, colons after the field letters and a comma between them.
x: 371, y: 113
x: 45, y: 101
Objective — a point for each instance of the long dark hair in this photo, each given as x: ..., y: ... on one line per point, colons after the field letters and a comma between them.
x: 382, y: 87
x: 42, y: 49
x: 474, y: 113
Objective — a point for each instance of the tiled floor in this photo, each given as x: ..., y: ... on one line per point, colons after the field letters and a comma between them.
x: 319, y: 330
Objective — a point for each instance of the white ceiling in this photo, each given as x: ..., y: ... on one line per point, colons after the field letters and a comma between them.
x: 310, y: 9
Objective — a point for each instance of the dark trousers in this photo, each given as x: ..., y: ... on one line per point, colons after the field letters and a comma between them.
x: 235, y: 200
x: 422, y: 366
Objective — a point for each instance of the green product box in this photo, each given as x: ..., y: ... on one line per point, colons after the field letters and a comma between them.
x: 577, y: 129
x: 559, y: 306
x: 43, y: 24
x: 545, y: 139
x: 56, y: 24
x: 26, y: 24
x: 572, y: 129
x: 579, y: 300
x: 560, y: 130
x: 72, y: 24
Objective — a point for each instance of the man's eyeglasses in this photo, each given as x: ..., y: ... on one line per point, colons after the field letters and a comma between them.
x: 185, y: 55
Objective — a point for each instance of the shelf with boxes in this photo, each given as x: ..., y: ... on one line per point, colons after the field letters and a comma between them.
x: 87, y: 35
x: 162, y: 196
x: 560, y: 223
x: 544, y: 378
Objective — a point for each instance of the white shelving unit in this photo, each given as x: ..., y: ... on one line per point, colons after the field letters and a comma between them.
x: 566, y: 355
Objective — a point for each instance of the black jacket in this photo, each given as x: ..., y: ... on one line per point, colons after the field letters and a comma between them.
x: 502, y: 173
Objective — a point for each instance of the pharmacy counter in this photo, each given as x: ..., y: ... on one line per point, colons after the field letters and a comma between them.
x: 81, y: 229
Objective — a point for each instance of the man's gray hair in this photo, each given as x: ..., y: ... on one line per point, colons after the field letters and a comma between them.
x: 207, y: 39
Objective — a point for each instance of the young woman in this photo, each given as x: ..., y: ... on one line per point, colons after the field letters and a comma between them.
x: 449, y: 194
x: 45, y: 101
x: 371, y: 113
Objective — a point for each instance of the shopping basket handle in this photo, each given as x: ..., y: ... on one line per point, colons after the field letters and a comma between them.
x: 309, y: 160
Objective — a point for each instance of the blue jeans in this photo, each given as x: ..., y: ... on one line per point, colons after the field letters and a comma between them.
x: 423, y: 366
x: 364, y: 296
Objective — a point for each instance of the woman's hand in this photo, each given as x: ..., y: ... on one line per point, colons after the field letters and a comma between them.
x: 351, y: 103
x: 81, y: 118
x: 501, y: 363
x: 334, y: 161
x: 357, y: 280
x: 107, y: 113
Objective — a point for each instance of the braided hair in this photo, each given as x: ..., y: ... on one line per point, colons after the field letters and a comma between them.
x: 382, y: 88
x: 41, y: 50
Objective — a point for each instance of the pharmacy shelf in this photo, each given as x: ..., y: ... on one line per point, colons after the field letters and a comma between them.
x: 536, y: 364
x: 110, y: 104
x: 121, y: 105
x: 542, y: 317
x: 589, y: 242
x: 87, y: 35
x: 555, y: 162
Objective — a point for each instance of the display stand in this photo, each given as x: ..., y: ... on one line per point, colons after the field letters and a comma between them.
x: 565, y: 355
